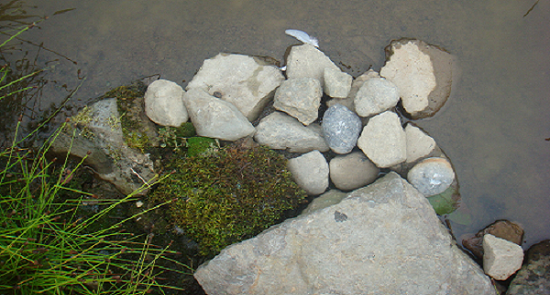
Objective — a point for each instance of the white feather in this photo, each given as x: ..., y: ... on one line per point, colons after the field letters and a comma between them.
x: 303, y: 37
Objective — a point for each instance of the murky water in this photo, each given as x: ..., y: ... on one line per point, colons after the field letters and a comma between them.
x: 493, y: 127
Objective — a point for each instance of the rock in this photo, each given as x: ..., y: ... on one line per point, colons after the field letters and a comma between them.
x: 337, y: 83
x: 310, y: 171
x: 299, y: 98
x: 431, y: 176
x: 381, y: 239
x: 352, y: 171
x: 245, y: 81
x: 375, y: 96
x: 280, y: 131
x: 503, y: 229
x: 100, y: 140
x: 308, y: 61
x: 383, y: 140
x: 216, y: 118
x: 164, y: 103
x: 419, y: 144
x: 325, y: 200
x: 341, y: 128
x: 534, y: 276
x: 355, y: 86
x: 501, y: 258
x: 423, y: 74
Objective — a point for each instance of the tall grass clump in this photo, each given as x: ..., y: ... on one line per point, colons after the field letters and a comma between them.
x: 46, y: 247
x: 49, y: 246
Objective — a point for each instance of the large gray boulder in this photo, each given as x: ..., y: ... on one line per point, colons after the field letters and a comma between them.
x: 216, y: 118
x: 245, y: 81
x: 422, y: 72
x: 299, y: 98
x: 280, y: 131
x: 164, y: 103
x: 381, y: 239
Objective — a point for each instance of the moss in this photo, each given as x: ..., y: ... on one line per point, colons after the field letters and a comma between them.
x: 200, y: 145
x: 137, y: 134
x: 229, y: 195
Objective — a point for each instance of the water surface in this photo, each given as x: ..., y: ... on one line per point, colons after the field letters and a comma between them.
x: 493, y: 127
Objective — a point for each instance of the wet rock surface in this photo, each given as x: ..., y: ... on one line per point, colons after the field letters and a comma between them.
x: 534, y: 276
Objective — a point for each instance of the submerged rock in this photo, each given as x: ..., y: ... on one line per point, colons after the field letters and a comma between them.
x: 360, y: 245
x: 534, y: 276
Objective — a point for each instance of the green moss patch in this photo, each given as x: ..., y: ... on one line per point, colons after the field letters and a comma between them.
x: 229, y: 195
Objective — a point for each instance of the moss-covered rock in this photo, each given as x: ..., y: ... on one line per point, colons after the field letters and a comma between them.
x: 229, y: 195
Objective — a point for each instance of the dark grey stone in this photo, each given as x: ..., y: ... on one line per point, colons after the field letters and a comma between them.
x: 341, y: 128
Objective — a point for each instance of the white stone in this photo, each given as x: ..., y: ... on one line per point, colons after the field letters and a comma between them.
x: 299, y: 98
x: 164, y: 103
x: 337, y: 83
x: 216, y: 118
x: 375, y: 96
x: 280, y: 131
x: 355, y: 86
x: 412, y: 71
x: 501, y: 258
x: 419, y: 144
x: 352, y: 171
x: 383, y: 140
x: 242, y: 80
x: 310, y: 171
x: 308, y: 61
x: 431, y: 176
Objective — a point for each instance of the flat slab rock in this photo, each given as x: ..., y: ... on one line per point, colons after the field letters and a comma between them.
x: 381, y: 239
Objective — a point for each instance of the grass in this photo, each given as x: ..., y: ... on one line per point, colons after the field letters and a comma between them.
x: 47, y: 247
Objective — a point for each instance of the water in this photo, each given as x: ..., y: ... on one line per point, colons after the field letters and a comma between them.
x: 493, y: 127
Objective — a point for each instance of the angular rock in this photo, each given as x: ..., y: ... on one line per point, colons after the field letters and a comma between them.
x: 503, y: 229
x: 99, y: 138
x: 337, y: 83
x: 299, y: 98
x: 422, y: 72
x: 216, y: 118
x: 327, y: 199
x: 310, y: 171
x: 419, y: 144
x: 501, y: 258
x: 431, y: 176
x: 348, y: 102
x: 308, y: 61
x: 341, y: 128
x: 164, y: 103
x: 280, y: 131
x: 382, y: 239
x: 375, y: 96
x: 534, y: 276
x: 383, y: 140
x: 245, y: 81
x: 352, y: 171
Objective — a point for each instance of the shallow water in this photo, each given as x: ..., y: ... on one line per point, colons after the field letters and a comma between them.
x: 493, y: 127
